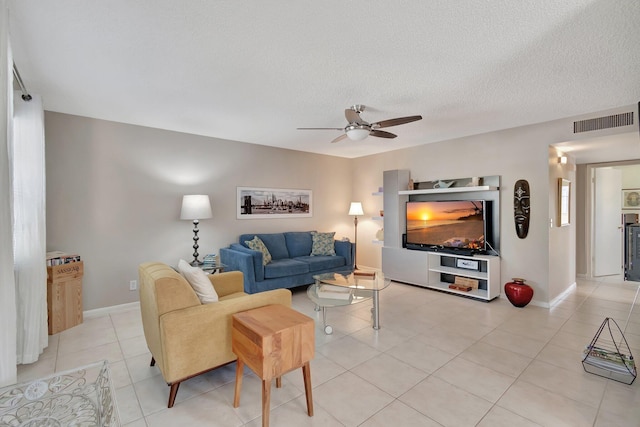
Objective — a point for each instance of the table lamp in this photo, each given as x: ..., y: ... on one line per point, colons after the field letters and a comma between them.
x: 355, y: 209
x: 195, y: 207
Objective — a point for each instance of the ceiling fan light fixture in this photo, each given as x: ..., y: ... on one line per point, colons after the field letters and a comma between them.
x: 357, y: 133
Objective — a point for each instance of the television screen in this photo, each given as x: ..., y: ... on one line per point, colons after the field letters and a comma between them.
x: 457, y: 224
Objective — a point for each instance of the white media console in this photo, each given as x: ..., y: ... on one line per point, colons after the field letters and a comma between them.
x: 437, y: 270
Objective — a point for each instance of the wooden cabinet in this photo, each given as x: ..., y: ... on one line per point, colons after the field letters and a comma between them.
x: 64, y: 296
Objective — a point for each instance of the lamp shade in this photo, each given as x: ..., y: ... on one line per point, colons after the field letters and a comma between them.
x: 195, y: 206
x: 356, y: 209
x: 357, y: 134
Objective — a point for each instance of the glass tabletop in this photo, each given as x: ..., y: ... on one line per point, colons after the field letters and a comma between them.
x: 217, y: 266
x: 334, y: 299
x: 360, y: 279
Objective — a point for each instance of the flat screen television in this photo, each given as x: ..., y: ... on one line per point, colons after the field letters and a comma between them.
x: 452, y: 225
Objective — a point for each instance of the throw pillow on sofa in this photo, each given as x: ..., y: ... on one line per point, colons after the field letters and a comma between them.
x: 258, y: 245
x: 322, y: 244
x: 199, y: 282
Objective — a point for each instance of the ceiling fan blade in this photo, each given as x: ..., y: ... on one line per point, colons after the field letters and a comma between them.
x: 395, y: 122
x: 340, y: 138
x: 382, y: 134
x: 320, y: 128
x: 352, y: 116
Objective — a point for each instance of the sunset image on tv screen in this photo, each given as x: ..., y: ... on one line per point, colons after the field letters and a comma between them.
x: 458, y: 224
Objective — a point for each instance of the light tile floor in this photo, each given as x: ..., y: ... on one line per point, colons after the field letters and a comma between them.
x: 438, y: 360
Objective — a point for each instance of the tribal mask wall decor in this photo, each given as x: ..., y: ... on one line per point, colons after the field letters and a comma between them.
x: 521, y: 207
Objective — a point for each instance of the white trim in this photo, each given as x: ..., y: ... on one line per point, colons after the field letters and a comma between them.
x: 564, y: 294
x: 99, y: 312
x: 533, y: 302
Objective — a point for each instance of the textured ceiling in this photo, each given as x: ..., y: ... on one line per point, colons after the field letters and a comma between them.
x: 254, y: 71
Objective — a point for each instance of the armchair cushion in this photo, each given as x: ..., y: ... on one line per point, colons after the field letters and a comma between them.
x: 199, y: 282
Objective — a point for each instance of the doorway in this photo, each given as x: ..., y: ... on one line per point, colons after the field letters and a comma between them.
x: 619, y: 151
x: 608, y: 183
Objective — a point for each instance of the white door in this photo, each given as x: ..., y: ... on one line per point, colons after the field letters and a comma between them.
x: 607, y: 222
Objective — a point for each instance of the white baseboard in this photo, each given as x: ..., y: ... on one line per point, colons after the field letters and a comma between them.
x: 532, y: 302
x: 564, y: 294
x: 99, y: 312
x: 553, y: 302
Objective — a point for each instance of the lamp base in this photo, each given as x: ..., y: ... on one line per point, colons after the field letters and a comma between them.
x: 196, y: 262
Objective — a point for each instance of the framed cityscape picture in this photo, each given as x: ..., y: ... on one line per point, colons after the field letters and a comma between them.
x: 261, y: 203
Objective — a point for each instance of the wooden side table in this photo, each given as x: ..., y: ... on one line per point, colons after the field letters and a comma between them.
x: 273, y: 340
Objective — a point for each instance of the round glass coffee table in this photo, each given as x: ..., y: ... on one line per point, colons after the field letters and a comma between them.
x: 336, y: 289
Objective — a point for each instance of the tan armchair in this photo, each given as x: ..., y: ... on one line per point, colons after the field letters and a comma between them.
x: 187, y: 338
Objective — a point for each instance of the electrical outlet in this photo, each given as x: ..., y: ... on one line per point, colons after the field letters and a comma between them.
x: 133, y: 285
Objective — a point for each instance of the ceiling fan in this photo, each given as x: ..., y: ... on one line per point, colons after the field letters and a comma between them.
x: 358, y: 129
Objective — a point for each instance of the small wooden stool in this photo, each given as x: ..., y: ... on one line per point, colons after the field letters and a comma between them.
x: 272, y: 341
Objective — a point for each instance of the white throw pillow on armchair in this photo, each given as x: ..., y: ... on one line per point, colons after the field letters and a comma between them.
x: 199, y: 282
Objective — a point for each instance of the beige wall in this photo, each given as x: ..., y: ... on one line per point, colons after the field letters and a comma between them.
x: 114, y: 193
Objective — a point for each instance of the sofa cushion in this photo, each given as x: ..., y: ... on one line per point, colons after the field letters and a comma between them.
x: 285, y: 267
x: 199, y: 282
x: 317, y: 263
x: 322, y: 244
x: 273, y: 241
x: 298, y: 243
x: 257, y: 245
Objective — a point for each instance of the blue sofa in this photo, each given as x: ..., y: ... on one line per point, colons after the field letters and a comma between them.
x: 292, y: 264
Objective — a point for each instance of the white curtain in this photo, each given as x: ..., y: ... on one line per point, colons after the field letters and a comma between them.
x: 29, y: 229
x: 7, y: 283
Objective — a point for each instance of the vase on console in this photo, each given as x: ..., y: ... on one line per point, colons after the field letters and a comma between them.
x: 518, y: 292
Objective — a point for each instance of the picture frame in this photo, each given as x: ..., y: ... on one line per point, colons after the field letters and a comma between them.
x: 631, y: 198
x: 265, y: 203
x: 564, y: 202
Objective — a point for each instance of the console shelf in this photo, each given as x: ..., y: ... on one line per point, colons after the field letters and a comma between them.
x: 447, y: 190
x: 442, y: 271
x: 437, y: 270
x: 481, y: 275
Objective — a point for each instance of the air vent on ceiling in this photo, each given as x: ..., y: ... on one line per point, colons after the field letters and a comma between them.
x: 614, y: 121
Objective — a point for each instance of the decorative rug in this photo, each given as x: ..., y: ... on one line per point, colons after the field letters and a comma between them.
x: 80, y: 397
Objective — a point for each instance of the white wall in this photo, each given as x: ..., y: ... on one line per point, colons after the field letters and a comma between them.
x: 114, y: 193
x: 562, y: 240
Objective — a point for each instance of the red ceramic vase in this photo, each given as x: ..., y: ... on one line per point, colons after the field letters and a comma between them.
x: 518, y: 292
